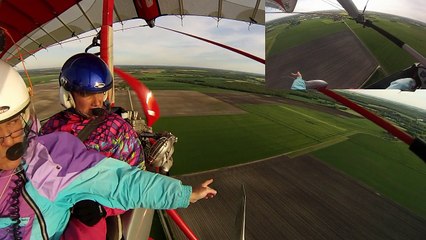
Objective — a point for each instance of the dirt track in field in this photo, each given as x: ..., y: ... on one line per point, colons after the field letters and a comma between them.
x: 249, y: 98
x: 299, y: 198
x: 340, y: 59
x: 171, y: 103
x: 183, y: 103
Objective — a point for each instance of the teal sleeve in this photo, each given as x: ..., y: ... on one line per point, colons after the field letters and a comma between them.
x: 115, y: 184
x: 298, y: 84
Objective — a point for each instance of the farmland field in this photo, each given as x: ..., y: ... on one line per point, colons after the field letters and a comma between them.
x: 290, y: 35
x: 339, y: 58
x: 218, y: 128
x: 383, y: 165
x: 296, y: 198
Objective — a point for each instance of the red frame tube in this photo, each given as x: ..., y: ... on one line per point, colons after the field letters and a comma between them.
x: 181, y: 224
x: 403, y: 136
x: 106, y: 40
x: 107, y: 19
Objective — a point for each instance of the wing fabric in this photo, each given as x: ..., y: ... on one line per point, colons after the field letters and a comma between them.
x: 283, y: 5
x: 45, y: 22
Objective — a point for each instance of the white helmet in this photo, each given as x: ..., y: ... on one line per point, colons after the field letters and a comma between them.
x: 14, y: 97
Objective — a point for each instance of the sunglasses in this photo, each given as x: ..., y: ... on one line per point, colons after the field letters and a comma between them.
x: 13, y: 134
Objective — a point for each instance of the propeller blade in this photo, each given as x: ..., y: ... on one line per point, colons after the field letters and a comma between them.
x: 365, y: 7
x: 240, y: 220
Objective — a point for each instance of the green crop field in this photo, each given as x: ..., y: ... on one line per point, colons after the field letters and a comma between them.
x: 209, y: 142
x: 43, y: 78
x: 388, y: 167
x: 296, y: 35
x: 172, y: 78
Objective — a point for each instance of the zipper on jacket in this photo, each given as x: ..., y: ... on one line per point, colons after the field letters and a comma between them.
x: 35, y: 208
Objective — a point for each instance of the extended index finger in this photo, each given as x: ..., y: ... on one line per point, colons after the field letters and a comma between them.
x: 207, y: 183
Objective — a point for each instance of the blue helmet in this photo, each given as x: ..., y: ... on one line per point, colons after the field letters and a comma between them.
x: 84, y: 73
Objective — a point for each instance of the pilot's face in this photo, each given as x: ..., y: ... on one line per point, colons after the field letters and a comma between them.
x: 11, y: 132
x: 85, y: 102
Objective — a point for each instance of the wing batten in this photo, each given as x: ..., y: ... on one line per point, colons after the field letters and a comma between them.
x: 31, y: 17
x: 219, y: 10
x: 87, y: 17
x: 181, y: 9
x: 253, y: 16
x: 48, y: 34
x: 117, y: 15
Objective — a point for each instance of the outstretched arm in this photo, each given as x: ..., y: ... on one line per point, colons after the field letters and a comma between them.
x: 298, y: 83
x: 203, y: 191
x: 115, y: 184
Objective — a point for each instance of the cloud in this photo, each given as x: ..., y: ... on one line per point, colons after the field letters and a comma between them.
x: 138, y: 45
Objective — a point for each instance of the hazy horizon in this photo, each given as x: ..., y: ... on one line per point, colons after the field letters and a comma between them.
x: 168, y: 66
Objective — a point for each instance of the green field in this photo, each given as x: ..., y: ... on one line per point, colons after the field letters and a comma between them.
x: 387, y: 167
x: 265, y: 131
x: 291, y: 36
x: 44, y: 78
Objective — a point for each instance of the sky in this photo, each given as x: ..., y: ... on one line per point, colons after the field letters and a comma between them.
x: 415, y: 9
x: 155, y: 46
x: 414, y: 99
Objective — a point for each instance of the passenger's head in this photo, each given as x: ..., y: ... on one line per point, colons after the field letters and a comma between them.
x: 14, y: 117
x: 84, y: 81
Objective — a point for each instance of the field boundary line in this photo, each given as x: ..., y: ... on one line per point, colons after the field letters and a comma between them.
x: 305, y: 115
x: 340, y: 139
